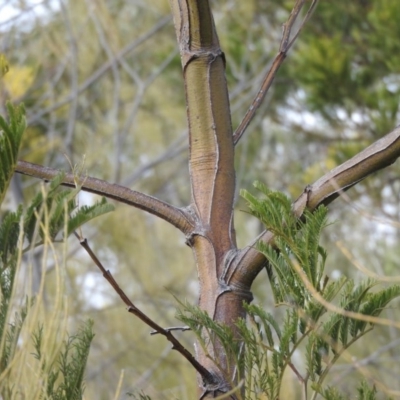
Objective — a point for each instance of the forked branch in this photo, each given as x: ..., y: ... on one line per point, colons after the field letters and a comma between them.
x: 286, y: 43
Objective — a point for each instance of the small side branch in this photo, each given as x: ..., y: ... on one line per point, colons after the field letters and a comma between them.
x: 175, y: 216
x: 173, y: 328
x: 286, y: 43
x: 176, y: 345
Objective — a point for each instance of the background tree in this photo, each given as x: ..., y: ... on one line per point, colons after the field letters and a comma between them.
x: 74, y: 99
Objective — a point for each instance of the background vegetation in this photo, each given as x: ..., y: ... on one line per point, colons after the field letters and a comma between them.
x: 102, y: 86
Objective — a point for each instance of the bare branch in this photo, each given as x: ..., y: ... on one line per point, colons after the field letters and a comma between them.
x: 287, y: 26
x: 73, y: 66
x: 176, y: 344
x: 305, y: 20
x: 143, y: 86
x: 384, y: 152
x: 102, y: 70
x: 286, y: 44
x: 175, y: 216
x: 380, y: 154
x: 115, y: 107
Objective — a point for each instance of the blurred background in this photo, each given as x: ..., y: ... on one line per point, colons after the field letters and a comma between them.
x: 102, y: 84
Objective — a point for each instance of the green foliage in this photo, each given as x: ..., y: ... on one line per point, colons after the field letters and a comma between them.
x: 265, y: 345
x: 60, y: 210
x: 9, y: 334
x: 48, y: 215
x: 10, y: 140
x: 139, y: 396
x: 352, y: 68
x: 4, y: 67
x: 365, y: 392
x: 64, y: 375
x: 86, y: 213
x: 207, y: 330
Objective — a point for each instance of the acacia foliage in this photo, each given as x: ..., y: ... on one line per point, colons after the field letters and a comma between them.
x: 58, y: 367
x: 322, y: 317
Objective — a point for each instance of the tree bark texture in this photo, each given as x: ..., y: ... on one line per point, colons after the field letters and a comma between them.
x: 211, y: 163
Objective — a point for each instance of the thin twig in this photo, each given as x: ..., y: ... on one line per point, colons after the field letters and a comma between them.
x: 287, y: 26
x: 101, y: 70
x: 114, y: 109
x: 296, y: 372
x: 305, y: 20
x: 285, y: 45
x: 173, y: 328
x: 207, y: 376
x: 73, y: 67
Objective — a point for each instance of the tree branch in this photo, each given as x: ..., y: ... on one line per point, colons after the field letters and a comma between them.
x: 384, y: 152
x: 285, y: 45
x: 175, y: 216
x: 176, y: 344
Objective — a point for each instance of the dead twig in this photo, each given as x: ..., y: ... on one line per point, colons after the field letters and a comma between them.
x: 207, y: 376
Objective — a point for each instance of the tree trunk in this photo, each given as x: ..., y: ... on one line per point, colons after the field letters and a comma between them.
x: 211, y: 163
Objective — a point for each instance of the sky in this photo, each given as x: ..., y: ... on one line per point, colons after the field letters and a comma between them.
x: 20, y: 12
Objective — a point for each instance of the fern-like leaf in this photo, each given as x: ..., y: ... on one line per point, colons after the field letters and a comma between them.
x: 365, y: 392
x: 87, y: 213
x: 265, y: 317
x: 9, y: 234
x: 374, y: 305
x: 331, y: 393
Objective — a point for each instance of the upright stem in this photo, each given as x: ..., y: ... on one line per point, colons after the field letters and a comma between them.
x: 211, y: 163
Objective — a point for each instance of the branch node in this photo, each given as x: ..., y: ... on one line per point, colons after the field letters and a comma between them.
x: 173, y: 328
